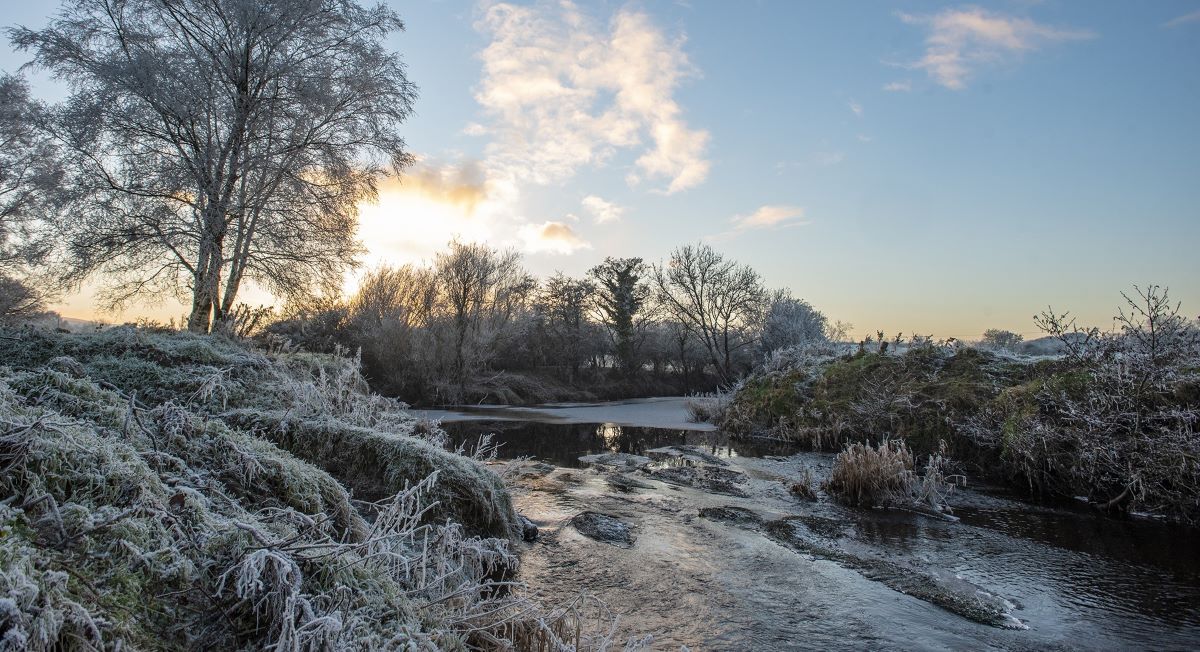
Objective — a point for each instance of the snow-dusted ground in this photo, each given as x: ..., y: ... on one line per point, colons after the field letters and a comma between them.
x: 663, y: 412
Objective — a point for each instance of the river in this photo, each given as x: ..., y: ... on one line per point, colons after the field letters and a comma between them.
x: 720, y: 555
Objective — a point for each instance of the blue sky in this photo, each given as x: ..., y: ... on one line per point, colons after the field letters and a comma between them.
x: 930, y: 167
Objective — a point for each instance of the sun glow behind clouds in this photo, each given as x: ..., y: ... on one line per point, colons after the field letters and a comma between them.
x: 407, y: 226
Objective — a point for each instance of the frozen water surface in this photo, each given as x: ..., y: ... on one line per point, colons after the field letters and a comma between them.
x: 728, y: 559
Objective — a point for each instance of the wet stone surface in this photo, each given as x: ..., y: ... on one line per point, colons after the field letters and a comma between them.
x: 604, y: 528
x: 712, y: 479
x: 626, y: 484
x: 623, y: 461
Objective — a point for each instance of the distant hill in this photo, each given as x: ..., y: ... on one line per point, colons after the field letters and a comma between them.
x: 1048, y: 345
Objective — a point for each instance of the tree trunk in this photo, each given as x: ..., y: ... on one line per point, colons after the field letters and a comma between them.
x: 206, y: 290
x: 198, y: 320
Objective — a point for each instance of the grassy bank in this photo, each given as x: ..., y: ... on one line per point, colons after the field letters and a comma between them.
x: 1108, y: 422
x: 169, y: 491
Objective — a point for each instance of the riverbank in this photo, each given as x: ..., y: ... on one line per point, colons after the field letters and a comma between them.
x: 1110, y: 422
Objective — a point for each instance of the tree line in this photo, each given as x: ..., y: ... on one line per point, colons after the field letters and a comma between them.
x: 474, y: 324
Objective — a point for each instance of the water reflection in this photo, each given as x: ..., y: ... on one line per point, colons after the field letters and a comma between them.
x: 564, y: 444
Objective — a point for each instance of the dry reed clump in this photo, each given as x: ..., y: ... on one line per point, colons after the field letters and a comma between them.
x: 867, y: 476
x: 804, y: 487
x: 706, y: 408
x: 131, y: 523
x: 879, y: 476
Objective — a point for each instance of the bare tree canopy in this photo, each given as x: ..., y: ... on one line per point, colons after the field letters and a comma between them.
x: 563, y: 303
x: 719, y: 300
x: 214, y: 141
x: 18, y: 300
x: 481, y: 290
x: 29, y: 172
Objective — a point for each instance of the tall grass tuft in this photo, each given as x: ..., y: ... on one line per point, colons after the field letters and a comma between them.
x: 867, y: 476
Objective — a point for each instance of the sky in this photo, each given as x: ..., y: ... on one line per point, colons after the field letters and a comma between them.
x: 937, y: 168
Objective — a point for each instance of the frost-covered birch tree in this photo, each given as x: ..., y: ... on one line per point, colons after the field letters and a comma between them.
x: 212, y: 142
x: 30, y: 172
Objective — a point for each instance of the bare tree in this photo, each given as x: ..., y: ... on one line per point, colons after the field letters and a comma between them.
x: 388, y: 322
x: 30, y: 171
x: 214, y: 141
x: 718, y: 300
x: 563, y: 303
x: 1157, y: 334
x: 480, y: 289
x: 406, y: 295
x: 622, y: 300
x: 18, y: 300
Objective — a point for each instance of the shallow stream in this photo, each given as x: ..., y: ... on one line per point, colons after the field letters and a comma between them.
x: 720, y: 555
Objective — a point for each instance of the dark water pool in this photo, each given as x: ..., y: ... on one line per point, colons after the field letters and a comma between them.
x: 563, y: 444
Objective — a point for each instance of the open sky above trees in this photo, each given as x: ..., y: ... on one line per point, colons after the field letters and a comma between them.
x: 937, y: 168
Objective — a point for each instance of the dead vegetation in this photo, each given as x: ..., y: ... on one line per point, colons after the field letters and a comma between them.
x: 866, y: 475
x: 880, y: 476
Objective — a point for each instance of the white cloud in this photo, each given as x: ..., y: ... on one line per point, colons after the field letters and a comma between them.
x: 959, y: 40
x: 856, y: 108
x: 863, y: 138
x: 462, y: 183
x: 552, y: 237
x: 474, y: 129
x: 768, y: 216
x: 602, y: 211
x: 1193, y: 17
x: 898, y: 86
x: 562, y: 92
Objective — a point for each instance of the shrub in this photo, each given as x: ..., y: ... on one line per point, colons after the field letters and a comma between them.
x: 1001, y: 340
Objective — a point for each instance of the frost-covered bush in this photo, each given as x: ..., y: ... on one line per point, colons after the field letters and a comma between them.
x: 1116, y: 420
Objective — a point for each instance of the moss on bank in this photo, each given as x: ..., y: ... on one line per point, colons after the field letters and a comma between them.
x: 379, y: 464
x: 918, y: 396
x: 1101, y: 427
